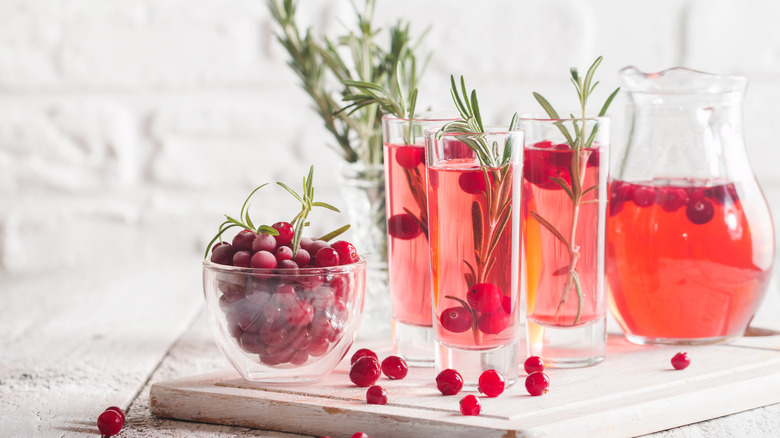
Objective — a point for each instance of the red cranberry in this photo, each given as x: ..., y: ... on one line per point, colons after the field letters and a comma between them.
x: 263, y: 260
x: 719, y: 194
x: 485, y: 297
x: 561, y: 155
x: 118, y: 411
x: 544, y: 144
x: 493, y: 323
x: 456, y: 319
x: 299, y: 358
x: 376, y: 395
x: 241, y: 259
x: 533, y: 364
x: 410, y: 156
x: 472, y: 182
x: 537, y: 168
x: 243, y: 240
x: 506, y: 304
x: 316, y: 246
x: 395, y: 367
x: 326, y: 257
x: 109, y: 423
x: 700, y: 211
x: 403, y: 226
x: 286, y: 232
x: 680, y: 361
x: 223, y: 255
x: 491, y: 383
x: 287, y: 264
x: 672, y: 198
x: 537, y: 383
x: 346, y: 251
x: 302, y: 257
x: 264, y: 242
x: 365, y: 372
x: 360, y: 353
x: 595, y: 158
x: 218, y: 244
x: 644, y: 196
x: 470, y: 405
x: 283, y: 253
x: 360, y: 435
x: 318, y: 347
x: 449, y: 382
x: 306, y: 242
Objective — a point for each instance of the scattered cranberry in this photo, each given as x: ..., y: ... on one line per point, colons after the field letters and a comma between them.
x: 264, y: 242
x: 470, y: 405
x: 485, y: 297
x: 243, y: 240
x: 118, y: 410
x: 395, y: 367
x: 360, y: 353
x: 263, y: 260
x: 680, y: 361
x: 700, y: 211
x: 346, y: 251
x: 376, y: 395
x: 456, y: 319
x: 110, y: 422
x: 360, y: 435
x: 533, y: 364
x: 449, y: 382
x: 494, y: 323
x: 472, y: 182
x: 286, y: 232
x: 410, y: 156
x: 223, y: 254
x: 491, y: 383
x: 365, y: 372
x: 537, y: 383
x: 326, y: 257
x: 403, y: 226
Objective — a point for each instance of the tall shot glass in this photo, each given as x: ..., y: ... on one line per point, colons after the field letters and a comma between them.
x: 473, y: 215
x: 407, y: 228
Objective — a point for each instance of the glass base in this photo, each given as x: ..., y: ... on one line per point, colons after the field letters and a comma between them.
x: 472, y: 363
x: 414, y: 343
x: 568, y: 347
x: 643, y: 340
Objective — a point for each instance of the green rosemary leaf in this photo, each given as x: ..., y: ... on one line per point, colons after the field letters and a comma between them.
x: 465, y: 95
x: 420, y: 222
x: 219, y: 235
x: 509, y: 145
x: 475, y: 107
x: 308, y: 183
x: 590, y: 189
x: 243, y: 207
x: 564, y: 185
x: 593, y: 88
x: 462, y: 303
x: 412, y: 105
x: 611, y: 97
x: 578, y: 287
x: 577, y: 87
x: 325, y: 205
x: 267, y: 230
x: 470, y: 277
x: 291, y: 191
x: 575, y: 76
x: 499, y: 230
x: 248, y: 220
x: 335, y: 233
x: 476, y: 225
x: 551, y: 228
x: 546, y: 106
x: 464, y: 112
x: 590, y: 73
x: 561, y: 127
x: 235, y: 222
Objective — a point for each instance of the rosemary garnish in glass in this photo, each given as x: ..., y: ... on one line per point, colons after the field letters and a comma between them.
x: 580, y: 140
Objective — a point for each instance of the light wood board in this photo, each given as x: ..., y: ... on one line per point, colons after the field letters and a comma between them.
x: 634, y: 392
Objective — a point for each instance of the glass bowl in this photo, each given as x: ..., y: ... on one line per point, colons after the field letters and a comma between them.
x: 284, y: 325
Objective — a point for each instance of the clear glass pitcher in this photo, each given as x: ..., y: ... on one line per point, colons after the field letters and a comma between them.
x: 690, y: 241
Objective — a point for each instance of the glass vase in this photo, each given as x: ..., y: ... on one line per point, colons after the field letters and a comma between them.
x: 565, y: 167
x: 473, y: 216
x: 407, y: 225
x: 691, y: 242
x: 363, y: 189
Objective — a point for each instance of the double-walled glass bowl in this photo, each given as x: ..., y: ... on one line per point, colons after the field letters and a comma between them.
x: 284, y: 325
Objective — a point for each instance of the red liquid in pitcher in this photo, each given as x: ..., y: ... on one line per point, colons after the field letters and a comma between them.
x: 686, y: 259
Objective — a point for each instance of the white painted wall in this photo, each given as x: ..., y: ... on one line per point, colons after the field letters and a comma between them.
x: 128, y: 127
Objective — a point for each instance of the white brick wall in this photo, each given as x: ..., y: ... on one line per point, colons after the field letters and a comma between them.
x: 128, y: 127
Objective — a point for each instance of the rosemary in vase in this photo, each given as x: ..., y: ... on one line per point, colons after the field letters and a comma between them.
x: 491, y: 212
x: 580, y: 140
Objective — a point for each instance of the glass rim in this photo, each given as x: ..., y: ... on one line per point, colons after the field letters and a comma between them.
x: 489, y: 130
x: 339, y: 269
x: 427, y: 116
x: 735, y: 83
x: 540, y: 117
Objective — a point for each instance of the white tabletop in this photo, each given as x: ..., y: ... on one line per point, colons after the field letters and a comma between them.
x: 74, y: 343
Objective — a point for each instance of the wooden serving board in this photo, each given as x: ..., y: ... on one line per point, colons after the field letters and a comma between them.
x: 634, y: 391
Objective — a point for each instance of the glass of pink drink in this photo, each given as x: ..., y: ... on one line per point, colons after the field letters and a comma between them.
x: 407, y: 228
x: 691, y: 243
x: 563, y: 219
x: 473, y: 212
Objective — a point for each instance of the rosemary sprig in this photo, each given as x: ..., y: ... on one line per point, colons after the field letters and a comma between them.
x: 298, y: 222
x: 580, y: 140
x: 371, y: 77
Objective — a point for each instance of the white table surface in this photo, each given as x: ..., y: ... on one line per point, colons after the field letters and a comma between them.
x: 73, y: 343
